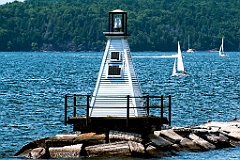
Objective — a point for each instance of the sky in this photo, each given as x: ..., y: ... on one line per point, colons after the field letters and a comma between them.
x: 5, y: 1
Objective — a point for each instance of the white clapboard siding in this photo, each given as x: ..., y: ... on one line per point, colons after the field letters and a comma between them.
x: 113, y: 91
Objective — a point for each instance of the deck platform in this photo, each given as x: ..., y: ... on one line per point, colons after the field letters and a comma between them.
x: 104, y: 124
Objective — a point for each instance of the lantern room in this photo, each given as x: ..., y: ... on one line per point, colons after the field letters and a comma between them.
x: 117, y: 22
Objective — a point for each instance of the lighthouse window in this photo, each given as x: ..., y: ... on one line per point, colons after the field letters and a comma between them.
x: 115, y: 56
x: 114, y: 71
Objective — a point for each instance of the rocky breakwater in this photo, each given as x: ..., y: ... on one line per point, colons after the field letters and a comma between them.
x: 167, y: 142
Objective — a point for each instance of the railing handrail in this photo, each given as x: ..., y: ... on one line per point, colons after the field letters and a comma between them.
x: 84, y: 106
x: 87, y: 106
x: 85, y: 95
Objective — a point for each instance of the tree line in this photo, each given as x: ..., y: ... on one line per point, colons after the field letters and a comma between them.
x: 154, y: 25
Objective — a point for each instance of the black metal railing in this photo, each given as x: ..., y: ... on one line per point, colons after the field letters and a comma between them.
x: 84, y: 101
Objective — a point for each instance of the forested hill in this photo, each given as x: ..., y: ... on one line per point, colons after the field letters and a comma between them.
x: 154, y: 25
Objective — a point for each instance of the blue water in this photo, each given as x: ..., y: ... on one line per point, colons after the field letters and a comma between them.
x: 33, y: 85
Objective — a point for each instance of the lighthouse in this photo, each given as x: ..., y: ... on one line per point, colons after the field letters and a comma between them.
x: 117, y: 85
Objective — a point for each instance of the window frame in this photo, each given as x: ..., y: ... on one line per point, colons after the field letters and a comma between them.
x: 114, y: 58
x: 114, y: 75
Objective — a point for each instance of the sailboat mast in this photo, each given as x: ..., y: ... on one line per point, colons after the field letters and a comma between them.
x: 222, y: 46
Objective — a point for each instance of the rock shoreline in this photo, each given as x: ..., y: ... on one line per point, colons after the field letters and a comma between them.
x: 167, y: 142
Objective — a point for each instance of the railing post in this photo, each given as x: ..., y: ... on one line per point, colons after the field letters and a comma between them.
x: 74, y: 105
x: 161, y: 110
x: 148, y: 105
x: 127, y: 110
x: 87, y: 111
x: 169, y: 110
x: 65, y: 109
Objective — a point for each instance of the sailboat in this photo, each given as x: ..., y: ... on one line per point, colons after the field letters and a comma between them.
x: 178, y: 67
x: 190, y: 50
x: 221, y: 51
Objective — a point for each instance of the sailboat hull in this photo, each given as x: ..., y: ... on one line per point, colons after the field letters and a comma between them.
x: 179, y: 74
x: 223, y: 55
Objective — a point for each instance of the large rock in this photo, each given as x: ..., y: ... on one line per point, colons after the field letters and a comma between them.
x: 79, y: 137
x: 218, y: 139
x: 230, y: 129
x: 124, y: 136
x: 188, y: 145
x: 72, y: 151
x: 68, y: 136
x: 136, y: 148
x: 109, y: 149
x: 72, y: 139
x: 158, y: 153
x: 170, y: 135
x: 122, y: 148
x: 33, y: 148
x: 205, y: 145
x: 159, y: 142
x: 37, y: 153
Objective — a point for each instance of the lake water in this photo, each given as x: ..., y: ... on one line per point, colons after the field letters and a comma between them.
x: 33, y: 85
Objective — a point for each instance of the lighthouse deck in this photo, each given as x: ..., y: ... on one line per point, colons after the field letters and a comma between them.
x: 105, y: 124
x: 77, y: 113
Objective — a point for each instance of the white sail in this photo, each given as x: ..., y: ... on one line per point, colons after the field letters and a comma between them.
x: 221, y: 49
x: 174, y: 68
x: 180, y: 66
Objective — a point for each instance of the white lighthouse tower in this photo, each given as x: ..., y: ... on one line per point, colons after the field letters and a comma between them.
x: 117, y: 79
